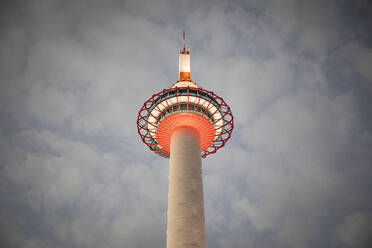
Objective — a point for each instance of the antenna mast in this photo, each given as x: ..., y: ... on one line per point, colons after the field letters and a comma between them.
x: 184, y: 40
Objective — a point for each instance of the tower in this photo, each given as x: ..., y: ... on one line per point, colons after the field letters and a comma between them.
x: 185, y: 123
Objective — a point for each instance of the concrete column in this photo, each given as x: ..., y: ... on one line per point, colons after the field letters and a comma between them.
x: 186, y: 227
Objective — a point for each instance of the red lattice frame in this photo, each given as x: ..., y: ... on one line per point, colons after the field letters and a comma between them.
x: 221, y: 106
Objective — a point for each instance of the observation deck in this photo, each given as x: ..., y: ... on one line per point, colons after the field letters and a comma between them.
x: 178, y: 107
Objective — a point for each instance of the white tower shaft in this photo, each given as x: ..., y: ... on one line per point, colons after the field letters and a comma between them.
x: 184, y: 66
x: 186, y: 227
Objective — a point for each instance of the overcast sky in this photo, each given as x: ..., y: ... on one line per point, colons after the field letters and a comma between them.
x: 297, y: 75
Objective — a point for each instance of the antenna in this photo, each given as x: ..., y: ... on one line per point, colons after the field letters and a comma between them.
x: 184, y: 40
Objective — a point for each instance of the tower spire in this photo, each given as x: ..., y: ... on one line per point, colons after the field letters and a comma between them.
x: 184, y: 40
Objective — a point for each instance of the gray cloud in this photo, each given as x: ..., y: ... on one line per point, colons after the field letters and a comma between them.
x: 296, y: 173
x: 356, y: 230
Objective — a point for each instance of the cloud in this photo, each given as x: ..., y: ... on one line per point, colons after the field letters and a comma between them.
x: 355, y: 230
x: 296, y: 173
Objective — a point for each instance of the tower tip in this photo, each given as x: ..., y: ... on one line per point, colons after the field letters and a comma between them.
x: 184, y: 40
x: 184, y: 49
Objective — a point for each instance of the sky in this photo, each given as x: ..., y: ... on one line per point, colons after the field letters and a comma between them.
x: 297, y: 75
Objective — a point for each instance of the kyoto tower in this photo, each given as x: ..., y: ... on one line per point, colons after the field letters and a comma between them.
x: 185, y: 123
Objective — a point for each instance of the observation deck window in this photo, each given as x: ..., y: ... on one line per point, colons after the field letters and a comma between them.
x: 184, y: 107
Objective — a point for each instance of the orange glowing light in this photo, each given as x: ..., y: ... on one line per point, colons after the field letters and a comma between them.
x: 203, y: 127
